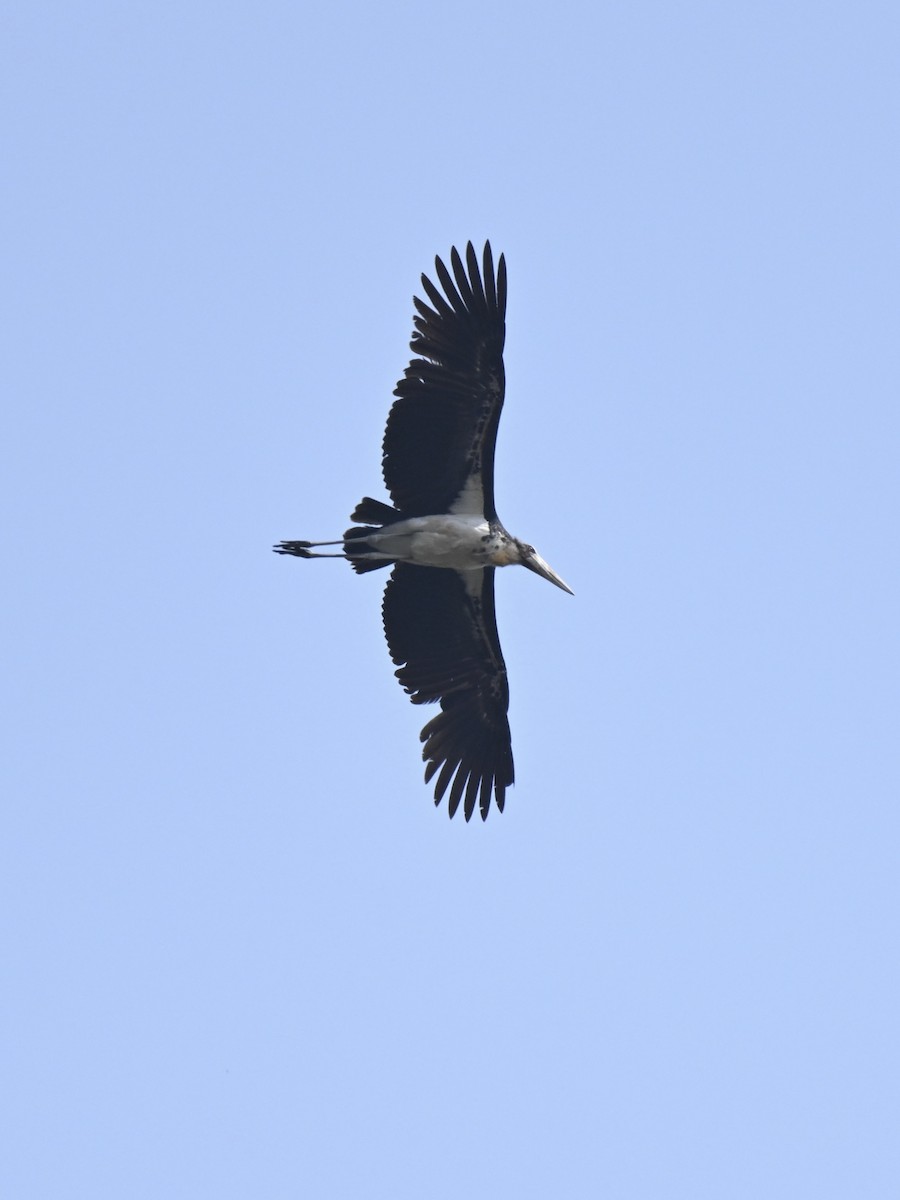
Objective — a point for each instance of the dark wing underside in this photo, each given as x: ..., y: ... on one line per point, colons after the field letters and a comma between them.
x: 442, y: 428
x: 441, y: 630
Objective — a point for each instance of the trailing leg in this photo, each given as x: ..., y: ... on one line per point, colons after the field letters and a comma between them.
x: 303, y: 549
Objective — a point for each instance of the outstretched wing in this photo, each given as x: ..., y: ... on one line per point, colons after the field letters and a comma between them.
x: 438, y: 450
x: 441, y: 631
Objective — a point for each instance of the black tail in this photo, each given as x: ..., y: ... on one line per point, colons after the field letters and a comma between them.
x: 375, y: 512
x: 355, y: 545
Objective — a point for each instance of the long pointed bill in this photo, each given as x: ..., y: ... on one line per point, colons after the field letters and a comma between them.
x: 535, y: 563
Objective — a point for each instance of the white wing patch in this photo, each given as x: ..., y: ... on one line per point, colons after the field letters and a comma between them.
x: 470, y: 501
x: 474, y: 583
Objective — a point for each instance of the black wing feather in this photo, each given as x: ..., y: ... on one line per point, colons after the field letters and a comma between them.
x: 442, y: 427
x: 444, y: 641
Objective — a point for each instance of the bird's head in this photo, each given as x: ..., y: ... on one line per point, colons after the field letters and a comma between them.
x: 529, y: 557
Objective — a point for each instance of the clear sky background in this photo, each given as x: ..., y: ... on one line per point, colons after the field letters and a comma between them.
x: 243, y: 954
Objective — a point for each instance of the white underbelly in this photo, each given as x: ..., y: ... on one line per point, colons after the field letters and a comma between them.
x: 457, y: 542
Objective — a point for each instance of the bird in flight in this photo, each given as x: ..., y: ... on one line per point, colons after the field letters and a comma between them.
x: 442, y: 536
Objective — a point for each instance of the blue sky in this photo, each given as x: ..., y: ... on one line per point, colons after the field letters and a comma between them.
x: 243, y: 953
